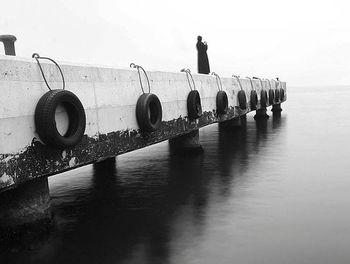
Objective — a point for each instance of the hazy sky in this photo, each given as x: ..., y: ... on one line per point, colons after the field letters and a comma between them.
x: 302, y: 42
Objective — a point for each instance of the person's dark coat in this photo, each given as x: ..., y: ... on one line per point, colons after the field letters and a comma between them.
x: 203, y: 62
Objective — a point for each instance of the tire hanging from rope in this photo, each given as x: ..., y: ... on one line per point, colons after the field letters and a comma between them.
x: 148, y: 106
x: 45, y: 111
x: 194, y: 106
x: 221, y: 97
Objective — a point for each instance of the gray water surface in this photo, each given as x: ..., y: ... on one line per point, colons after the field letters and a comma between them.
x: 278, y: 192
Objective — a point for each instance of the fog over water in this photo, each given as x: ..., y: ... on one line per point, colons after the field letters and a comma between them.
x: 302, y: 42
x: 277, y: 192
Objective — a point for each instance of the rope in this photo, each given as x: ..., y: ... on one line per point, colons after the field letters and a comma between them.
x: 275, y: 83
x: 138, y: 67
x: 188, y: 73
x: 262, y: 87
x: 251, y: 83
x: 36, y: 56
x: 218, y: 80
x: 269, y: 83
x: 239, y: 81
x: 279, y: 83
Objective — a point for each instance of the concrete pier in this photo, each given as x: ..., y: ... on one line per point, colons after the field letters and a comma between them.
x: 109, y: 97
x: 186, y: 143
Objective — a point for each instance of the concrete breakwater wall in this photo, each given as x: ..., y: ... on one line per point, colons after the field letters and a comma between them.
x: 109, y: 98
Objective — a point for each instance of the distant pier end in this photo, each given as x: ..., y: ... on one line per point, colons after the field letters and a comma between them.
x: 109, y: 98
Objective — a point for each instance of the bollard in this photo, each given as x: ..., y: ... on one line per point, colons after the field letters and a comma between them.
x: 9, y: 44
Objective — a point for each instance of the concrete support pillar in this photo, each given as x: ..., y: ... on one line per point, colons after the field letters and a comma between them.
x: 261, y: 114
x: 105, y: 165
x: 234, y: 123
x: 276, y: 109
x: 104, y: 161
x: 243, y: 120
x: 24, y: 208
x: 186, y: 143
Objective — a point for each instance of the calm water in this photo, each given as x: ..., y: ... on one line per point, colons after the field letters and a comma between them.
x: 276, y: 193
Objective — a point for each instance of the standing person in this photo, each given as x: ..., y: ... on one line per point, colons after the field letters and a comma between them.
x: 203, y: 62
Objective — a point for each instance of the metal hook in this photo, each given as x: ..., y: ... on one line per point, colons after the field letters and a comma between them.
x: 279, y: 82
x: 138, y: 67
x: 188, y: 72
x: 218, y: 80
x: 262, y: 87
x: 269, y: 83
x: 36, y: 56
x: 239, y: 81
x: 251, y: 82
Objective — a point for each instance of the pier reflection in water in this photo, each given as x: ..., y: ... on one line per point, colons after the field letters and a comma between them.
x: 267, y: 193
x: 151, y: 205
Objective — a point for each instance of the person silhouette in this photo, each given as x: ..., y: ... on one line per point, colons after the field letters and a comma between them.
x: 203, y: 61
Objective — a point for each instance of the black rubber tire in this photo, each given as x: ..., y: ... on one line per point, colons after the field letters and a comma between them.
x: 148, y: 112
x: 271, y: 97
x: 242, y: 100
x: 194, y: 107
x: 277, y: 96
x: 263, y: 98
x: 253, y: 100
x: 221, y: 102
x: 45, y: 122
x: 281, y: 94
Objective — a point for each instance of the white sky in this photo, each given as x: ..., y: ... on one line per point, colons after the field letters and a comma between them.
x: 302, y: 42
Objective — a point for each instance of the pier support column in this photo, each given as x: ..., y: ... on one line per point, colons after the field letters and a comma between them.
x: 276, y: 109
x: 234, y: 123
x: 24, y: 208
x: 186, y: 143
x: 261, y: 114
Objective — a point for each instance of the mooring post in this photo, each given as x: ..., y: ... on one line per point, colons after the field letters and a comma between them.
x: 234, y: 123
x: 186, y: 143
x: 276, y: 109
x: 24, y: 208
x: 261, y: 114
x: 9, y: 44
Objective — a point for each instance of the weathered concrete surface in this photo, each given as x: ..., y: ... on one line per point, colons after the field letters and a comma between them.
x: 109, y: 97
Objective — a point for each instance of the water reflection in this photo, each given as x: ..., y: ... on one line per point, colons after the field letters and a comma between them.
x: 150, y: 206
x: 272, y: 192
